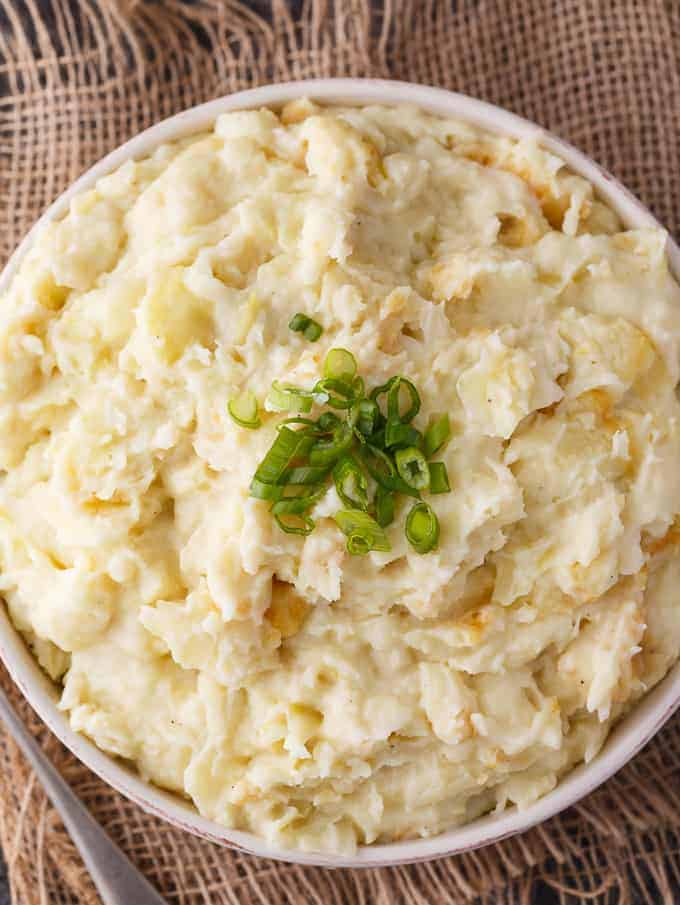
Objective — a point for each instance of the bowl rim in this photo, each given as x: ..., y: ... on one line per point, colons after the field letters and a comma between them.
x: 628, y: 737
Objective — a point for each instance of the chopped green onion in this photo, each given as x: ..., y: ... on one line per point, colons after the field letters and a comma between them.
x: 310, y: 329
x: 308, y: 422
x: 393, y: 400
x: 305, y: 474
x: 298, y: 505
x: 287, y: 492
x: 313, y: 331
x: 392, y: 389
x: 288, y: 446
x: 399, y: 434
x: 311, y: 428
x: 340, y: 365
x: 326, y: 390
x: 363, y: 533
x: 293, y: 475
x: 439, y: 478
x: 286, y: 398
x: 295, y: 524
x: 319, y: 395
x: 358, y: 545
x: 326, y: 452
x: 422, y: 528
x: 367, y: 414
x: 328, y: 422
x: 383, y: 389
x: 437, y: 433
x: 358, y: 387
x: 412, y: 467
x: 379, y: 465
x: 384, y: 506
x: 298, y: 322
x: 270, y: 492
x: 383, y: 471
x: 243, y: 409
x: 377, y: 438
x: 351, y: 483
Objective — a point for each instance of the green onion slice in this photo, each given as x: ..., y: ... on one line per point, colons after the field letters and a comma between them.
x: 439, y: 478
x: 437, y: 433
x: 363, y: 533
x: 288, y: 447
x: 327, y: 422
x: 394, y: 400
x: 358, y: 387
x: 412, y: 467
x: 298, y: 505
x: 273, y: 493
x: 337, y: 393
x: 399, y: 434
x: 422, y: 528
x: 383, y: 389
x: 377, y: 438
x: 243, y: 409
x: 295, y: 524
x: 351, y: 483
x: 353, y: 415
x: 383, y: 471
x: 358, y: 545
x: 298, y: 322
x: 305, y: 474
x: 286, y: 398
x: 326, y: 452
x: 340, y: 365
x: 308, y: 422
x: 379, y: 465
x: 384, y: 506
x: 393, y: 390
x: 311, y: 428
x: 367, y: 414
x: 310, y: 329
x: 270, y: 492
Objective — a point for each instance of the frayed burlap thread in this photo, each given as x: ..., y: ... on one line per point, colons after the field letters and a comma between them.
x: 78, y: 77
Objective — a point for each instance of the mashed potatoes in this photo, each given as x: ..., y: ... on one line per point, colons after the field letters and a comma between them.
x: 316, y: 698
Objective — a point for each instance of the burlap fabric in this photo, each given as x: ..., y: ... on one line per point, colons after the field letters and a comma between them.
x: 78, y: 78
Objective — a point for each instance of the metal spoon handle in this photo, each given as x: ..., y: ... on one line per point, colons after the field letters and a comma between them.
x: 117, y: 880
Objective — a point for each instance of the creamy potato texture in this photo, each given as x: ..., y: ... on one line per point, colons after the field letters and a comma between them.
x: 319, y: 699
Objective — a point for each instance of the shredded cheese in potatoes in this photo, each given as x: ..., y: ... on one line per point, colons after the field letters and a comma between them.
x: 319, y: 699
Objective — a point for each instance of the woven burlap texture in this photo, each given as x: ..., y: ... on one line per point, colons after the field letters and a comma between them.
x: 78, y: 78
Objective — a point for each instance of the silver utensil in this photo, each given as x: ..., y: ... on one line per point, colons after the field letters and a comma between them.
x: 117, y: 880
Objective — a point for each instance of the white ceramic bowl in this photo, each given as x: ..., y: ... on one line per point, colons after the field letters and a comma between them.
x: 628, y: 737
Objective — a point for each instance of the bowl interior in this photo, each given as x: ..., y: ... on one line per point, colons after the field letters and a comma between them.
x: 630, y: 734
